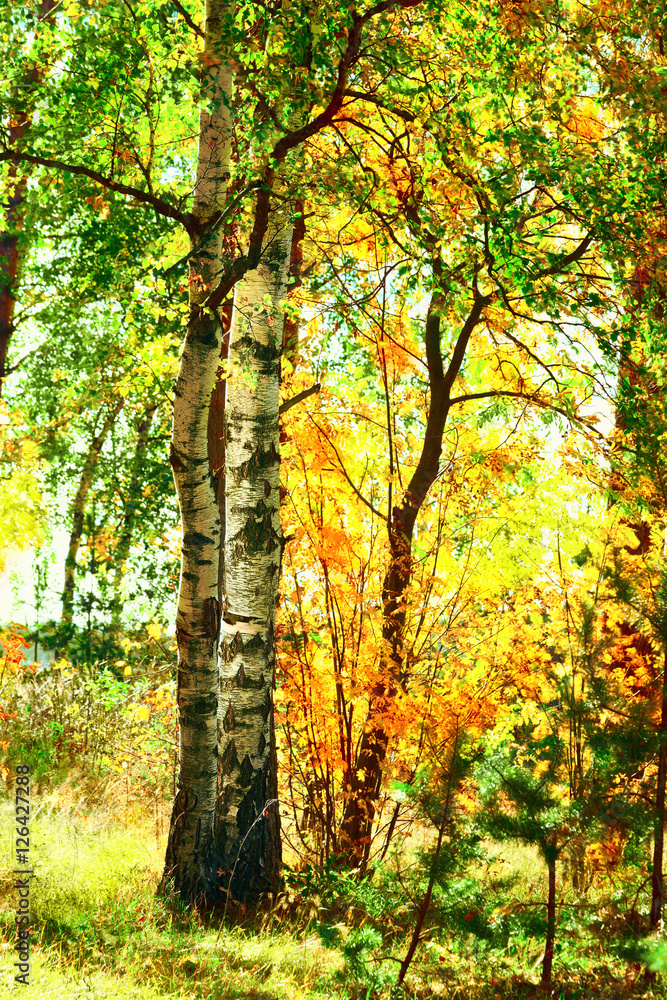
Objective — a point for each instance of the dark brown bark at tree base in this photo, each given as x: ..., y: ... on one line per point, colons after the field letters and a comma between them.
x: 194, y: 879
x: 547, y: 962
x: 248, y: 847
x: 249, y: 867
x: 360, y: 807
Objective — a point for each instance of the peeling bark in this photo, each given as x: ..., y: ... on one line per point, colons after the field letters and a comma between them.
x: 250, y: 861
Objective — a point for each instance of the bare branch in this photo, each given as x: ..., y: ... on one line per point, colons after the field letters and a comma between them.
x: 300, y: 396
x: 361, y: 497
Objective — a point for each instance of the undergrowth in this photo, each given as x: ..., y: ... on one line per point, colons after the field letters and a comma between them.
x: 101, y: 748
x: 98, y: 924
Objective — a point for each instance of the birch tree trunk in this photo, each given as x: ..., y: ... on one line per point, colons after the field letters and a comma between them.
x: 190, y: 869
x: 248, y: 820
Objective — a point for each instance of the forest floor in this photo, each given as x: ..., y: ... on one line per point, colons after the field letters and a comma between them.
x: 98, y: 930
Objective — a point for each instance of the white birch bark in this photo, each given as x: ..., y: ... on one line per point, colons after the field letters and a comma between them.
x: 190, y: 868
x: 248, y: 784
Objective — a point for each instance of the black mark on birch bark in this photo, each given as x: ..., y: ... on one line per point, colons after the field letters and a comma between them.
x: 175, y: 462
x: 229, y: 761
x: 211, y: 618
x: 228, y: 721
x: 246, y: 771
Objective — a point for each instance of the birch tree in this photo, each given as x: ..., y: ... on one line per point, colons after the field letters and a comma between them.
x: 120, y: 117
x: 189, y: 858
x: 79, y: 505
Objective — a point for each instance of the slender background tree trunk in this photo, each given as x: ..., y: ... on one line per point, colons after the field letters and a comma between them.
x: 657, y: 879
x: 10, y: 239
x: 130, y: 514
x: 79, y: 510
x: 548, y: 960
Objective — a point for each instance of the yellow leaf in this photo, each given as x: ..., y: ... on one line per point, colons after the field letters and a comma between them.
x: 154, y: 630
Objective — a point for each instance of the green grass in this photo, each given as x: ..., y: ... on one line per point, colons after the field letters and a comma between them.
x: 49, y: 981
x: 80, y: 861
x: 99, y: 930
x: 96, y: 920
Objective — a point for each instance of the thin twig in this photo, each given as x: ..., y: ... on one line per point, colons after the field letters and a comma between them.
x: 260, y: 815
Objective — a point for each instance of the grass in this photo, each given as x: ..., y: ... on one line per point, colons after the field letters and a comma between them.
x: 81, y: 861
x: 99, y: 930
x: 96, y: 921
x: 50, y: 981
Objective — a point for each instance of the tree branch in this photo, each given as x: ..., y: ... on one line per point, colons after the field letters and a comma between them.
x: 461, y: 346
x: 290, y: 141
x: 569, y: 258
x: 211, y: 229
x: 300, y: 396
x: 160, y: 206
x: 361, y: 497
x: 535, y: 400
x: 248, y: 261
x: 347, y: 60
x: 188, y: 20
x: 372, y: 99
